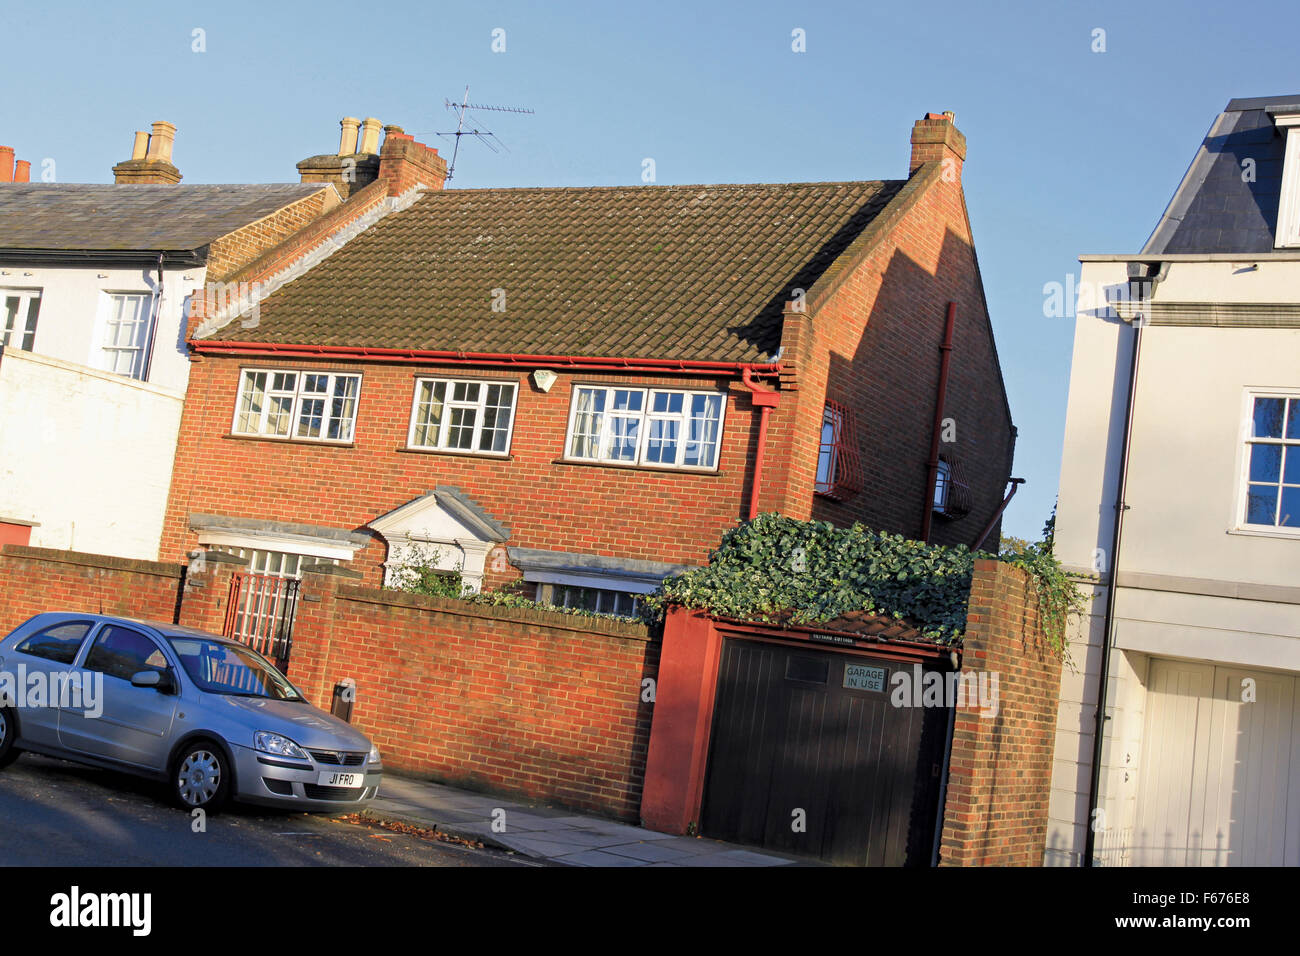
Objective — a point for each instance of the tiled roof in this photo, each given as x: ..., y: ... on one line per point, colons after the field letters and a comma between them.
x: 78, y: 217
x: 673, y: 272
x: 1218, y: 208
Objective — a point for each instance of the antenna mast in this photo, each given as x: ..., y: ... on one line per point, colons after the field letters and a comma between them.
x: 485, y: 136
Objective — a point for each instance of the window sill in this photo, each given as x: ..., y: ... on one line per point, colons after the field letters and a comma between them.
x: 489, y: 455
x: 628, y: 466
x: 1292, y: 534
x: 310, y: 442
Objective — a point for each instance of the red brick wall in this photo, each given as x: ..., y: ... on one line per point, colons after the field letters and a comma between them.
x: 245, y: 244
x: 870, y: 341
x: 671, y: 516
x: 517, y: 701
x: 34, y: 580
x: 1001, y: 768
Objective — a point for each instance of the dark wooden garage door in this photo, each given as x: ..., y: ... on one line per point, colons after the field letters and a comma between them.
x: 789, y: 736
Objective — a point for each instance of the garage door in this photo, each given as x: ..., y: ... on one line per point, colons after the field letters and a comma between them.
x: 1219, y: 780
x: 808, y: 756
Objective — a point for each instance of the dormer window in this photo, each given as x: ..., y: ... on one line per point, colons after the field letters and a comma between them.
x: 1288, y: 210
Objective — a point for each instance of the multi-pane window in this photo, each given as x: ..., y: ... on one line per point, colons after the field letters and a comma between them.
x: 124, y: 348
x: 311, y: 406
x: 638, y: 426
x: 278, y: 564
x: 18, y: 311
x: 462, y: 416
x: 598, y: 600
x: 942, y: 486
x: 1273, y: 463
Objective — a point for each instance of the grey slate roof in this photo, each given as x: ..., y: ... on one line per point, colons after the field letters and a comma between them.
x: 163, y: 218
x: 1214, y: 210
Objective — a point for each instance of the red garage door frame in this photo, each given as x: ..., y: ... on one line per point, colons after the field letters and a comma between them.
x: 685, y: 694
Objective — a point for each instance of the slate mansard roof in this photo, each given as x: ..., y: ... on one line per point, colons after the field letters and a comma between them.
x: 666, y: 272
x: 58, y: 217
x: 1215, y: 209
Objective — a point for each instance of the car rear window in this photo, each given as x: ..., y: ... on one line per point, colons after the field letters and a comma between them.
x: 58, y: 643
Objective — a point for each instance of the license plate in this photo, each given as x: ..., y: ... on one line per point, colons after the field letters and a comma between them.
x: 330, y: 778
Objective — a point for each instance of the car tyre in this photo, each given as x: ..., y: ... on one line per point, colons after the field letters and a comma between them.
x: 8, y: 734
x: 200, y: 776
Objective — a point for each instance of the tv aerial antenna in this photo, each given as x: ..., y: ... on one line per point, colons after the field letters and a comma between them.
x: 467, y: 125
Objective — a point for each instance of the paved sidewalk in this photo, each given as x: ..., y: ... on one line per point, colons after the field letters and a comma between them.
x: 547, y: 833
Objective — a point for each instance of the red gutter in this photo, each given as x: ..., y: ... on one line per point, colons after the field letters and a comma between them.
x: 607, y: 364
x: 765, y: 399
x: 945, y: 351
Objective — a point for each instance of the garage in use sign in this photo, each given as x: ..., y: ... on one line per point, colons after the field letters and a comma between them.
x: 864, y: 677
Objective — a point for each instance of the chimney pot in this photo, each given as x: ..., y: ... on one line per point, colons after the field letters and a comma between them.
x: 6, y: 164
x: 348, y: 140
x: 369, y: 136
x: 141, y: 145
x: 160, y: 142
x: 22, y: 171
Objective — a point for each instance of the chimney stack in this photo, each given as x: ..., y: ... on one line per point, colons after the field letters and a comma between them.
x: 355, y: 166
x: 151, y: 159
x: 935, y: 139
x: 6, y: 164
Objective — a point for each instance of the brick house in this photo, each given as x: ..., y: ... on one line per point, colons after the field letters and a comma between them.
x: 584, y: 388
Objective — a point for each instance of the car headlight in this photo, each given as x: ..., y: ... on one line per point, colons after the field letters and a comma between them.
x: 374, y: 754
x: 277, y: 745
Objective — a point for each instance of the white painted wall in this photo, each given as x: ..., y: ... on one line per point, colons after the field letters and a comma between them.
x: 73, y: 309
x: 86, y: 453
x: 1183, y: 495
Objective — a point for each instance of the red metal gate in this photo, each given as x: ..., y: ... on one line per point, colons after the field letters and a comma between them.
x: 260, y: 613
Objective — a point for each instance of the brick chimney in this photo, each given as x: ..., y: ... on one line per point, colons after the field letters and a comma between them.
x: 404, y: 163
x: 353, y: 167
x: 936, y: 140
x: 360, y: 161
x: 151, y: 159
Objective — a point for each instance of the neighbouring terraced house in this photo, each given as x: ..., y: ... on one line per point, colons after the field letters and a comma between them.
x: 95, y: 282
x: 1184, y: 421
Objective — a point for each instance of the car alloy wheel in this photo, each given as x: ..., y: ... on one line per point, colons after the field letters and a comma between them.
x: 200, y: 778
x: 8, y: 731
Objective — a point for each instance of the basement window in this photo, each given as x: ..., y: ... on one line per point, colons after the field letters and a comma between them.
x: 597, y: 600
x: 18, y: 311
x: 305, y: 406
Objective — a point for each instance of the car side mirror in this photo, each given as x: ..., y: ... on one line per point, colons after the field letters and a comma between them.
x: 158, y: 680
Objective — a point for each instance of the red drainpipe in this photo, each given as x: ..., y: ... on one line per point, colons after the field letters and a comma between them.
x: 945, y: 351
x: 765, y: 399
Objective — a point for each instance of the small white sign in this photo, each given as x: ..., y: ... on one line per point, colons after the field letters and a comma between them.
x: 863, y: 677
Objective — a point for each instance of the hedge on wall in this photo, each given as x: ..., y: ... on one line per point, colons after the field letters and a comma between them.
x: 774, y: 565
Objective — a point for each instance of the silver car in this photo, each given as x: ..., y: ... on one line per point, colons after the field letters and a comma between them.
x: 208, y: 715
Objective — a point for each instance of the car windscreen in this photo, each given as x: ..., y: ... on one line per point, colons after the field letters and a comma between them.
x: 221, y: 668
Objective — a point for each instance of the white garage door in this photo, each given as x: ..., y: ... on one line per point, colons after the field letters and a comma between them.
x: 1220, y: 782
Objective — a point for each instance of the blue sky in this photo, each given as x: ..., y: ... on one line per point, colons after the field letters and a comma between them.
x: 1070, y: 150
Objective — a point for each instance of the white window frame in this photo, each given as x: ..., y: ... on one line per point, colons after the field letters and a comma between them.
x: 1288, y: 210
x: 106, y: 351
x: 1244, y: 443
x: 449, y: 404
x: 22, y: 318
x: 295, y: 410
x: 559, y: 595
x: 942, y: 481
x: 644, y: 417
